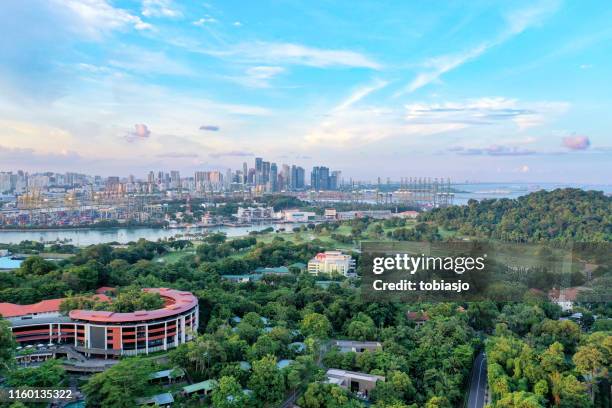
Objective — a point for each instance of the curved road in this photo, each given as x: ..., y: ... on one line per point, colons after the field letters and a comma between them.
x: 478, y: 382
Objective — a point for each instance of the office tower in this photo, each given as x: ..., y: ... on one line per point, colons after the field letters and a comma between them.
x: 335, y: 180
x: 175, y: 179
x: 251, y: 178
x: 200, y: 180
x: 245, y: 173
x: 228, y: 179
x: 286, y: 177
x: 319, y: 178
x: 258, y: 170
x: 298, y: 177
x: 151, y: 177
x: 265, y: 178
x: 273, y: 182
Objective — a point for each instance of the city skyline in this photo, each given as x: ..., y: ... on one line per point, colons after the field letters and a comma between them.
x: 488, y: 92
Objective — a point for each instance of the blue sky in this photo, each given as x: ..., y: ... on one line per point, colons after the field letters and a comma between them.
x: 478, y: 90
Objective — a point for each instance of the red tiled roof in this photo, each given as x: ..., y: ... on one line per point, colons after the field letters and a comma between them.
x: 176, y: 302
x: 45, y: 306
x: 104, y: 289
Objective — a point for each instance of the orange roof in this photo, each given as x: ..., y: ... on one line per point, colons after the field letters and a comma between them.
x: 176, y: 302
x: 45, y: 306
x: 104, y: 289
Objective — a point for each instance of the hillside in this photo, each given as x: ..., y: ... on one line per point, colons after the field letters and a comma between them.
x: 560, y: 215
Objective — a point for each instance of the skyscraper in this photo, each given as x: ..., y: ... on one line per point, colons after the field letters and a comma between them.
x: 273, y: 183
x: 265, y: 173
x: 319, y: 178
x: 245, y: 173
x: 258, y: 170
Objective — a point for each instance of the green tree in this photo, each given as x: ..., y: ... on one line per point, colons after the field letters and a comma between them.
x: 267, y: 381
x: 120, y: 385
x: 229, y: 394
x: 7, y: 346
x: 48, y: 374
x: 316, y: 324
x: 361, y: 327
x: 519, y: 399
x: 589, y: 362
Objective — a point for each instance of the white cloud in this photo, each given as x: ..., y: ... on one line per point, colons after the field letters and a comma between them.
x: 297, y: 54
x: 438, y: 66
x: 485, y: 111
x: 204, y: 20
x: 350, y: 125
x: 95, y: 18
x: 141, y: 60
x: 361, y: 93
x: 160, y: 8
x: 516, y: 22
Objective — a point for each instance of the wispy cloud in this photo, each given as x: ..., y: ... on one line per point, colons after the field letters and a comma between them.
x: 177, y: 155
x: 296, y: 54
x: 94, y: 18
x: 204, y: 20
x: 516, y: 22
x: 361, y: 93
x: 160, y: 8
x: 493, y: 150
x: 232, y: 153
x: 210, y: 128
x: 485, y: 111
x: 258, y: 76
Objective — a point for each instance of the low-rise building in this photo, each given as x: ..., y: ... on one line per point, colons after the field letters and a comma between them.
x: 360, y: 384
x: 252, y: 214
x: 298, y: 216
x: 330, y: 262
x: 346, y: 346
x: 408, y: 214
x: 419, y: 318
x: 97, y: 333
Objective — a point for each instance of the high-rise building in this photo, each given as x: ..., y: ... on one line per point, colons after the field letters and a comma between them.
x: 297, y: 177
x: 228, y: 179
x: 273, y: 182
x: 285, y: 177
x: 335, y: 180
x: 245, y: 173
x: 265, y: 173
x: 319, y: 178
x: 258, y: 170
x: 175, y: 179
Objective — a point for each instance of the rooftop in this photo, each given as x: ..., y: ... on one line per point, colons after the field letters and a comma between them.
x: 207, y: 385
x: 176, y: 302
x: 45, y: 306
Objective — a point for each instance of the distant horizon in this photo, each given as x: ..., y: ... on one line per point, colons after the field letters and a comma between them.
x: 503, y: 91
x: 372, y: 180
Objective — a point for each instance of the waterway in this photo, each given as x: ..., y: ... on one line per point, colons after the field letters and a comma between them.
x: 7, y: 263
x: 84, y: 236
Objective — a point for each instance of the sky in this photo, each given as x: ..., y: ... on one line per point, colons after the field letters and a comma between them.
x: 471, y: 90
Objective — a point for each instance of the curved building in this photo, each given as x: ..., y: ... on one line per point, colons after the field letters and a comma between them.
x: 101, y: 333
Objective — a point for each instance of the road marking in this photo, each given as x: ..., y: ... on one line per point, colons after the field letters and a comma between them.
x: 478, y: 383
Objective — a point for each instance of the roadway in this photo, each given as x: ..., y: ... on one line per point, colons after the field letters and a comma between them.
x: 478, y: 383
